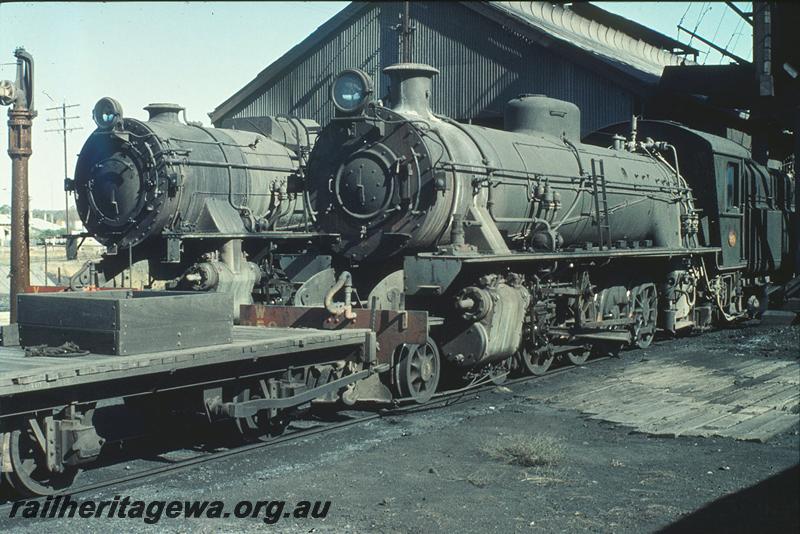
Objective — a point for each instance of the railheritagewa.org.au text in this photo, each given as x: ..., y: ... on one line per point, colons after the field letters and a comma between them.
x: 153, y: 511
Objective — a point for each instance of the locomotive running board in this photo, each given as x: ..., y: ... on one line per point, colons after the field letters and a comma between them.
x: 432, y: 273
x: 605, y: 252
x: 267, y: 234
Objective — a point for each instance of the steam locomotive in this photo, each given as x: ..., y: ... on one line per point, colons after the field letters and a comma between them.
x: 190, y: 200
x: 521, y: 245
x: 530, y: 243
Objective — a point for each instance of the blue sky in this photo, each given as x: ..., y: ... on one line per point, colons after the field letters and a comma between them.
x: 198, y: 54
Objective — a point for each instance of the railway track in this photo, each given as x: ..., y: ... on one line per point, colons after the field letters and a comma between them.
x: 402, y: 407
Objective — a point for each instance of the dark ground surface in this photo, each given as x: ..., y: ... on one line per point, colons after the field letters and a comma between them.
x: 433, y: 471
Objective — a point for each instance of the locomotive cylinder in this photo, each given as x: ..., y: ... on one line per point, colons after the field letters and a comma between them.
x: 490, y: 326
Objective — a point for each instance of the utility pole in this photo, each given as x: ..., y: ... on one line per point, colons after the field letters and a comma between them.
x: 63, y: 119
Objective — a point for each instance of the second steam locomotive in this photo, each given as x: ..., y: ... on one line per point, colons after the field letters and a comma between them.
x: 187, y: 198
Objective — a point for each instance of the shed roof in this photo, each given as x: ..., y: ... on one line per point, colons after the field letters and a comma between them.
x: 638, y: 58
x: 632, y: 28
x: 609, y: 43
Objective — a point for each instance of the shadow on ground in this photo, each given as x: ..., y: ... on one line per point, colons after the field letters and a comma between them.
x: 772, y: 505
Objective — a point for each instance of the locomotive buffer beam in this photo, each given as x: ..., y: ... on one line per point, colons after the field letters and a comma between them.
x: 174, y: 240
x: 392, y: 327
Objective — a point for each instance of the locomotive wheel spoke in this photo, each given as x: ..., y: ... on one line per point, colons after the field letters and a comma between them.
x: 645, y: 315
x: 417, y: 371
x: 29, y: 475
x: 578, y: 356
x: 535, y: 362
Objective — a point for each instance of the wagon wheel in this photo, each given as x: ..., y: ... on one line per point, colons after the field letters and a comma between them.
x: 261, y: 424
x: 535, y: 362
x: 29, y: 476
x: 578, y: 356
x: 499, y: 372
x: 417, y: 371
x: 645, y: 315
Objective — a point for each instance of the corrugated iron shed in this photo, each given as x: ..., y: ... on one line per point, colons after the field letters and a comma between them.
x: 487, y: 52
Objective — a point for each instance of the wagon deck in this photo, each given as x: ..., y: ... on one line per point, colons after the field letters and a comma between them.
x: 20, y: 374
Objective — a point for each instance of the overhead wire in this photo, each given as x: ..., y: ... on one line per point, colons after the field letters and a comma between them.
x: 738, y: 34
x: 734, y: 33
x: 680, y: 22
x: 716, y: 32
x: 697, y: 24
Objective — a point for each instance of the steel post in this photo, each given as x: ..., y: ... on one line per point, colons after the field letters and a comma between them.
x: 19, y: 149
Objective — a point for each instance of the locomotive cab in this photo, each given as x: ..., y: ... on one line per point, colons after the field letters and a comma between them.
x: 746, y: 208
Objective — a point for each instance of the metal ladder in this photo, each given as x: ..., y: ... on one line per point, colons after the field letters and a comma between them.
x: 601, y: 203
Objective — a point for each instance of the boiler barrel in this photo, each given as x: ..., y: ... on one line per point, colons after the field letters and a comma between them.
x: 135, y: 180
x: 541, y: 177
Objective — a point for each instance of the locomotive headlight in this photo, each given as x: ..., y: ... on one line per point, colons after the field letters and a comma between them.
x: 107, y: 113
x: 350, y: 90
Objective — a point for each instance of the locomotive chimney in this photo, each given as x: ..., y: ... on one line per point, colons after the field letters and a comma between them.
x: 410, y: 87
x: 163, y: 112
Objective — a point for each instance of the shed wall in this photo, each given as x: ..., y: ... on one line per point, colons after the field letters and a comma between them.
x: 482, y: 66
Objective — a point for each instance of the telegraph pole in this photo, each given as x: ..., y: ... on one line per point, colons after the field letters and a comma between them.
x: 63, y: 119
